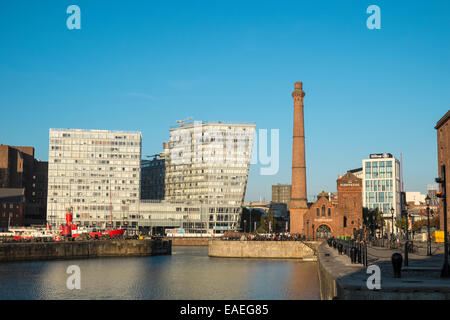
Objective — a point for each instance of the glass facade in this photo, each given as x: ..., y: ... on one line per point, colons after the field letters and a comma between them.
x: 208, y: 163
x: 97, y: 173
x: 381, y: 184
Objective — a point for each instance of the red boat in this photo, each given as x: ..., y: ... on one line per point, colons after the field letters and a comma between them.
x: 72, y: 230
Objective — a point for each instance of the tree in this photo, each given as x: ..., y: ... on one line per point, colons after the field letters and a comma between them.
x: 372, y: 219
x: 402, y: 223
x: 434, y: 223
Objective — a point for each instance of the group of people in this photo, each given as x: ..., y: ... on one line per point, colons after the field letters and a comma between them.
x: 264, y: 237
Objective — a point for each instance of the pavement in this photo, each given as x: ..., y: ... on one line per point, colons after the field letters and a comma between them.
x: 421, y: 279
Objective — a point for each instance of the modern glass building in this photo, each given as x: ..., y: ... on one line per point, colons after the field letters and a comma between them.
x: 381, y: 184
x: 208, y: 163
x: 95, y: 172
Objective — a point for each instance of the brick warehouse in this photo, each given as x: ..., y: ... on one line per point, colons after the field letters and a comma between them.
x: 443, y: 148
x: 20, y: 170
x: 338, y: 216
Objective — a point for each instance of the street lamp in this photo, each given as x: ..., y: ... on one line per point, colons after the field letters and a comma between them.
x: 245, y: 225
x: 407, y: 222
x: 392, y: 227
x: 427, y: 201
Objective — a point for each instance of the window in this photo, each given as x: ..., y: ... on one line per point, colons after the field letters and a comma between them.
x: 345, y: 222
x: 318, y: 212
x: 323, y: 211
x: 329, y: 212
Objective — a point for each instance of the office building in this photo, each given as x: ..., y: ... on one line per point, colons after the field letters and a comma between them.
x: 153, y: 173
x: 281, y: 193
x: 97, y: 174
x: 381, y: 185
x: 208, y: 163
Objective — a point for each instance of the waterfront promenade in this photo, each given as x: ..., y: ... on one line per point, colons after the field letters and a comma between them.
x: 340, y: 279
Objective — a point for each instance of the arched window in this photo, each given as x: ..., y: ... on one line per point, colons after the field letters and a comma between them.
x: 323, y: 211
x: 318, y: 212
x: 345, y: 222
x: 329, y: 212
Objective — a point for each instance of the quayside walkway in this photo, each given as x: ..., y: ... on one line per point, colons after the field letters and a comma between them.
x: 340, y: 279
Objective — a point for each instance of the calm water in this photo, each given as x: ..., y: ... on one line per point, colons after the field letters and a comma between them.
x: 188, y: 274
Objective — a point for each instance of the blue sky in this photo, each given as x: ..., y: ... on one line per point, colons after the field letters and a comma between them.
x: 142, y: 65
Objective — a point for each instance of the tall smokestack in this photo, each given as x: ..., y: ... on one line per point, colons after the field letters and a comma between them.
x: 299, y: 202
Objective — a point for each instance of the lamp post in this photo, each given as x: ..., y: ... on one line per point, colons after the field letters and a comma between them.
x: 245, y: 226
x: 307, y: 228
x: 250, y: 223
x: 392, y: 227
x: 427, y: 201
x: 407, y: 222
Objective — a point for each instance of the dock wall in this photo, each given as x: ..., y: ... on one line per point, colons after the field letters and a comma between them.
x: 82, y: 249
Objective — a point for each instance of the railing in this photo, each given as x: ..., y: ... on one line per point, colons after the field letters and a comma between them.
x: 355, y: 250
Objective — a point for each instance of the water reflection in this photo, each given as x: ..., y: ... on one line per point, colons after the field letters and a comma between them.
x: 188, y: 274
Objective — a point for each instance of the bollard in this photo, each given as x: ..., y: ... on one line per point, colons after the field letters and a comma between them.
x: 397, y: 264
x: 353, y: 254
x: 340, y: 248
x: 359, y: 253
x: 406, y: 253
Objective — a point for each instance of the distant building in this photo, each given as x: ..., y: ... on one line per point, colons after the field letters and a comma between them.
x: 443, y: 147
x: 12, y: 206
x: 97, y: 173
x: 153, y: 173
x: 381, y: 185
x: 358, y: 172
x: 414, y: 196
x: 16, y: 167
x: 20, y: 170
x: 282, y: 193
x: 432, y: 193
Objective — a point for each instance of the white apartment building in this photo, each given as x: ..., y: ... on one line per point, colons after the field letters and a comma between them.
x: 208, y: 163
x: 97, y: 174
x: 415, y: 196
x: 381, y: 185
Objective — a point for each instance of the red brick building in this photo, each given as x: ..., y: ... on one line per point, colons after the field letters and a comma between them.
x: 12, y: 203
x: 443, y: 146
x: 339, y: 216
x: 20, y: 170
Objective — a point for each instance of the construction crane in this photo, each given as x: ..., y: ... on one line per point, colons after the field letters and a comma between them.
x: 181, y: 122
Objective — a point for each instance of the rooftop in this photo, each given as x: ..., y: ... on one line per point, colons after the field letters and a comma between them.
x: 442, y: 120
x: 92, y: 130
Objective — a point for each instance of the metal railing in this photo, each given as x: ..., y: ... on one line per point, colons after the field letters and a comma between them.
x: 355, y: 250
